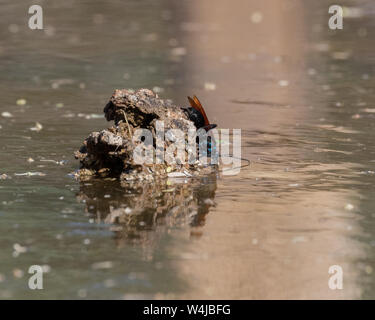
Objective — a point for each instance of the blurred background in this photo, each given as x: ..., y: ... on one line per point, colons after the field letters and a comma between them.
x: 302, y: 94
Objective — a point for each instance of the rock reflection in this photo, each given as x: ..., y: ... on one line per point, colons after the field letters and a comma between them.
x: 141, y: 212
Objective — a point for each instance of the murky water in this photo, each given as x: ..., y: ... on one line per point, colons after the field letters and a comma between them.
x: 301, y: 93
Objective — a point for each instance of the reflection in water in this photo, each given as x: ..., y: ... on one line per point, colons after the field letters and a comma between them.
x: 141, y: 212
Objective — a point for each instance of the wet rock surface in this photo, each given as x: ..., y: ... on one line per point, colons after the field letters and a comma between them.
x: 141, y: 108
x: 109, y: 153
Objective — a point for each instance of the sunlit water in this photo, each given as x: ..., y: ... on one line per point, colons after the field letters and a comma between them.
x: 301, y: 93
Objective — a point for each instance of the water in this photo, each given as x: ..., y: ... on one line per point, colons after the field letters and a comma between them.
x: 302, y: 95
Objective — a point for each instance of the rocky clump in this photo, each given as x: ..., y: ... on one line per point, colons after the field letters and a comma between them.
x: 109, y: 153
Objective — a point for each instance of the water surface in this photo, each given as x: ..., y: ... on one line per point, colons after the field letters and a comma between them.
x: 301, y: 93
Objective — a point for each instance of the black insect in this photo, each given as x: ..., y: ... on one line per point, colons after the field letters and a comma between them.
x: 197, y: 114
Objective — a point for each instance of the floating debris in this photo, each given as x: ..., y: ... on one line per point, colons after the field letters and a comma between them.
x: 283, y: 83
x: 46, y: 268
x: 179, y: 51
x: 21, y: 102
x: 6, y: 114
x: 367, y: 172
x: 90, y: 116
x: 38, y: 127
x: 30, y: 174
x: 4, y: 176
x: 61, y: 162
x: 69, y: 115
x: 369, y: 110
x: 157, y: 89
x: 337, y: 129
x: 19, y: 249
x: 209, y: 86
x: 353, y: 12
x: 18, y: 273
x: 30, y: 160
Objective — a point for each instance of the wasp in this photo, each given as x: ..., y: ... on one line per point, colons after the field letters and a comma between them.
x: 197, y: 115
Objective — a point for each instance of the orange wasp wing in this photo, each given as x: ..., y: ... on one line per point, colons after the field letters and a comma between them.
x: 198, y: 106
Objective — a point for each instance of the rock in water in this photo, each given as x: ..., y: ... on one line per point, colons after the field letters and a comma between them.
x: 109, y: 153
